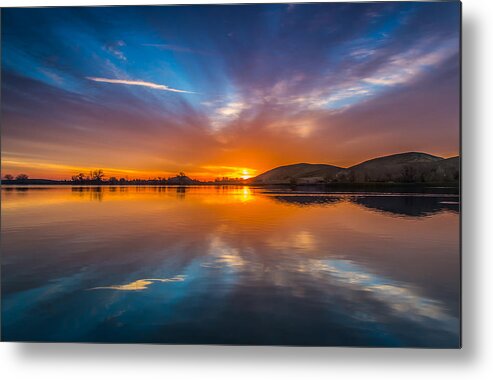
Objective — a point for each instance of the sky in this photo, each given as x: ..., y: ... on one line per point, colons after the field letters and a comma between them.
x: 226, y: 90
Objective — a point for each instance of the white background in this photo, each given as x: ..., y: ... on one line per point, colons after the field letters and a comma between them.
x: 474, y: 361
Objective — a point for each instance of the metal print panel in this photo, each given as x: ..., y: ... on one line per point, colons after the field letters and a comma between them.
x: 266, y: 174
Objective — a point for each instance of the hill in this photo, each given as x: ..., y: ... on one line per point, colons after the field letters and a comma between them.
x: 297, y: 174
x: 402, y: 167
x: 410, y: 167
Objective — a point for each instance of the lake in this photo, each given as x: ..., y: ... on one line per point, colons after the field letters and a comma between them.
x: 230, y: 265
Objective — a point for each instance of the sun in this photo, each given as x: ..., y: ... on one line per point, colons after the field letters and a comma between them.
x: 245, y: 174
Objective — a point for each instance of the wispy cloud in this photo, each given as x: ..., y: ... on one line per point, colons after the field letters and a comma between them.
x: 224, y: 113
x: 232, y: 109
x: 114, y: 48
x: 291, y: 7
x: 51, y: 75
x: 405, y: 67
x: 155, y: 86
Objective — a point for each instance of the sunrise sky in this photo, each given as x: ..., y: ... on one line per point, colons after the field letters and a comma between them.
x: 225, y: 90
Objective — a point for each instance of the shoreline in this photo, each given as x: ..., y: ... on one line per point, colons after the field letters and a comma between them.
x: 416, y: 188
x: 333, y: 184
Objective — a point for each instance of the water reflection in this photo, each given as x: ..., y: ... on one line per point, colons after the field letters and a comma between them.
x: 140, y: 284
x: 398, y: 204
x: 94, y: 193
x: 226, y: 264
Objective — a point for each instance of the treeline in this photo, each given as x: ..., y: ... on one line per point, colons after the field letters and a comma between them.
x: 407, y: 174
x: 20, y: 178
x: 424, y: 173
x: 228, y: 181
x: 98, y: 177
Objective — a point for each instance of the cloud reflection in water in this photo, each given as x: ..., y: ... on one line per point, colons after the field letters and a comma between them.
x: 141, y: 284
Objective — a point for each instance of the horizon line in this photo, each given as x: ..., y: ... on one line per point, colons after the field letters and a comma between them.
x: 169, y: 175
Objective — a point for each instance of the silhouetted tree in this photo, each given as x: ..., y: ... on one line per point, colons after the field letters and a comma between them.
x: 8, y: 177
x: 97, y: 175
x: 181, y: 178
x: 79, y: 177
x: 22, y: 178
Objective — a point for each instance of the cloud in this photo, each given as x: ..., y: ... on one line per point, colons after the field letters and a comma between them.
x: 113, y: 48
x: 51, y: 75
x: 139, y: 83
x: 405, y: 67
x: 225, y: 113
x: 231, y: 109
x: 290, y: 7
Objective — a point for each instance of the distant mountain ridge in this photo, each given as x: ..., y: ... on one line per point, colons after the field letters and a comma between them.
x: 409, y: 167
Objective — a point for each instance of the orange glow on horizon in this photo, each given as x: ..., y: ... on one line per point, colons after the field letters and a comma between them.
x: 62, y: 171
x: 245, y: 174
x: 56, y: 171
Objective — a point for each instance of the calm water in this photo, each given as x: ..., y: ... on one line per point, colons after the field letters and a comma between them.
x: 229, y: 265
